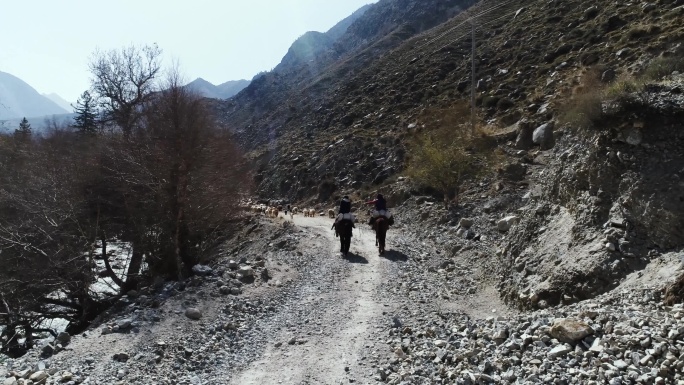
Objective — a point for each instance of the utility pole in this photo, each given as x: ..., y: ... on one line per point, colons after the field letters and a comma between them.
x: 472, y: 76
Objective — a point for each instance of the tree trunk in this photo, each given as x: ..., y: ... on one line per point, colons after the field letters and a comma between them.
x: 182, y: 232
x: 134, y: 266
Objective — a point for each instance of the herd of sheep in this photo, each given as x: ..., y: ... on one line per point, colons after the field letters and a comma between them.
x: 274, y: 211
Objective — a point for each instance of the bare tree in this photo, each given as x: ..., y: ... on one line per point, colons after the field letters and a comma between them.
x: 192, y: 161
x: 44, y: 233
x: 124, y: 80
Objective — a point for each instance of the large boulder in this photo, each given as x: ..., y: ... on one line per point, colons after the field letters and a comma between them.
x: 543, y: 136
x: 524, y: 139
x: 569, y: 330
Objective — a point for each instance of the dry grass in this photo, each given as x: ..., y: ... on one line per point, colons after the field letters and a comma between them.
x: 584, y: 108
x: 664, y: 66
x: 445, y: 153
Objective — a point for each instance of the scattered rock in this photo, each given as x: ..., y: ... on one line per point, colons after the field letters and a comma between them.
x: 466, y: 223
x: 193, y: 313
x: 569, y: 330
x: 543, y: 136
x: 506, y: 223
x: 202, y: 270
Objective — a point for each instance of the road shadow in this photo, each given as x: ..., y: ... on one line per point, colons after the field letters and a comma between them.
x: 394, y: 256
x: 355, y: 258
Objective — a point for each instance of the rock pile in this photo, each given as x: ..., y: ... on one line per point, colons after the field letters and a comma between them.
x: 619, y: 338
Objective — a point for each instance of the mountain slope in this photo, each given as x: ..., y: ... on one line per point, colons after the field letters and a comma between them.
x: 379, y: 88
x: 18, y: 99
x: 588, y: 206
x: 58, y: 100
x: 310, y: 48
x: 231, y: 88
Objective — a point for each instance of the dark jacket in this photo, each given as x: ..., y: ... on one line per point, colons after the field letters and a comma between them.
x: 345, y: 206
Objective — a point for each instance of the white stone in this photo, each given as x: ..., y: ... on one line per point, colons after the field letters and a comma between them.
x: 246, y: 271
x: 559, y: 351
x: 506, y: 223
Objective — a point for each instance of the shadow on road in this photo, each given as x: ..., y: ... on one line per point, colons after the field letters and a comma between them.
x: 355, y: 258
x: 394, y: 256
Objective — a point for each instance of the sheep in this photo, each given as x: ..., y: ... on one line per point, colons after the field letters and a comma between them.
x: 312, y: 213
x: 295, y: 210
x: 331, y: 213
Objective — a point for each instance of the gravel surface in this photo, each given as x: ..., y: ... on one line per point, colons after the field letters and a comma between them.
x: 308, y: 315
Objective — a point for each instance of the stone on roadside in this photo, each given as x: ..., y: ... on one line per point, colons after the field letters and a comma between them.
x: 124, y: 324
x: 48, y: 350
x: 569, y: 330
x: 246, y: 271
x: 202, y: 270
x: 506, y: 223
x: 121, y: 357
x: 63, y: 338
x: 39, y: 377
x: 466, y: 223
x: 193, y: 313
x: 543, y: 136
x: 559, y: 351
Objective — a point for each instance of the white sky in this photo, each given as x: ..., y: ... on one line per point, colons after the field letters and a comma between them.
x: 48, y: 43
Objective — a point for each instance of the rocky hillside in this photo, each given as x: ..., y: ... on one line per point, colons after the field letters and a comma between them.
x: 593, y: 204
x: 411, y: 61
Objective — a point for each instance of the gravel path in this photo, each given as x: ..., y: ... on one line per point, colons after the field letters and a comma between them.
x: 320, y: 318
x: 340, y: 315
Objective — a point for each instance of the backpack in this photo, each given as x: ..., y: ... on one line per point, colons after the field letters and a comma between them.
x: 345, y: 207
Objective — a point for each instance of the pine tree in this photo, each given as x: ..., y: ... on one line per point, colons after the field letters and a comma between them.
x: 86, y: 116
x: 24, y: 130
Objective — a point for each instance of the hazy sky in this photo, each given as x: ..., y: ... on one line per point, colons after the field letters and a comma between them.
x: 48, y: 43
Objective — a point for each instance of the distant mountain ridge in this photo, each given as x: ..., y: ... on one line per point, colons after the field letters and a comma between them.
x: 222, y: 91
x: 59, y: 101
x: 18, y: 99
x: 312, y: 45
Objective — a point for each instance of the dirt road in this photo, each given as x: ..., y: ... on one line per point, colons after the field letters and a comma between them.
x: 342, y: 315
